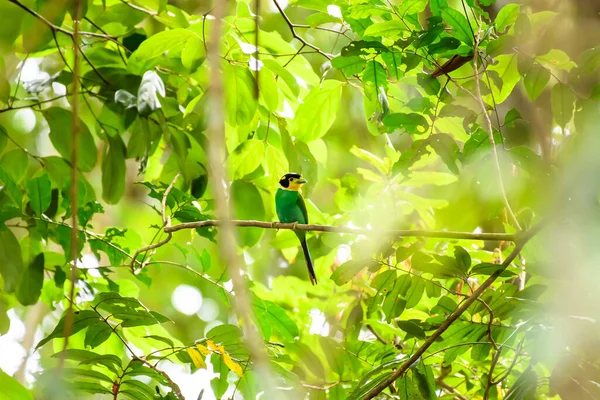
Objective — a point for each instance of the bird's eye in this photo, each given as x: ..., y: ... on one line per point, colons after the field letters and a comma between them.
x: 291, y: 179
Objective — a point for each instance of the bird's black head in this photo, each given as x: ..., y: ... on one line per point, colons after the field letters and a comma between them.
x: 292, y: 181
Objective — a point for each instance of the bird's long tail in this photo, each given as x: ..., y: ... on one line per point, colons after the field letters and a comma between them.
x: 309, y: 263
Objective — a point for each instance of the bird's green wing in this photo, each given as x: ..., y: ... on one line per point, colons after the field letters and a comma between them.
x: 302, y: 205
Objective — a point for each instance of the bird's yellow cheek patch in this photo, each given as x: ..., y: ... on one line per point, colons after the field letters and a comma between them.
x: 295, y: 186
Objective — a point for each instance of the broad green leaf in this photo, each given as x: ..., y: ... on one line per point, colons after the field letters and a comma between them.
x: 162, y: 42
x: 413, y: 123
x: 556, y: 58
x: 240, y: 103
x: 503, y: 76
x: 246, y: 158
x: 507, y: 16
x: 248, y: 204
x: 97, y: 334
x: 412, y: 6
x: 268, y: 89
x: 348, y: 270
x: 87, y: 373
x: 39, y: 191
x: 11, y: 263
x: 193, y: 53
x: 12, y: 389
x: 463, y: 259
x: 113, y: 170
x: 351, y: 65
x: 317, y: 113
x: 81, y: 320
x: 275, y: 316
x: 460, y: 25
x: 60, y: 122
x: 536, y: 80
x: 387, y: 29
x: 563, y: 104
x: 15, y: 163
x: 31, y: 282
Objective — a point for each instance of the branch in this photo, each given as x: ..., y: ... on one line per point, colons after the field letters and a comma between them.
x: 74, y: 188
x: 295, y: 35
x: 508, y: 237
x: 520, y: 243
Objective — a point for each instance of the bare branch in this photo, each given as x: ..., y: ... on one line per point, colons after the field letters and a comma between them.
x: 342, y: 229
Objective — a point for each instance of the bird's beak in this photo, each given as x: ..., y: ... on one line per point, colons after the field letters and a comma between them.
x: 301, y: 181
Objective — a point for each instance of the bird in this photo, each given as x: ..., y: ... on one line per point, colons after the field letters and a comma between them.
x: 291, y: 208
x: 452, y: 65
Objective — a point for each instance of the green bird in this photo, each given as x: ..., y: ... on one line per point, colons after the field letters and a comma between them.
x: 291, y: 208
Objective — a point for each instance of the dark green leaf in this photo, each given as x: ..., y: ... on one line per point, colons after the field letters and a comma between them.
x: 11, y: 263
x: 447, y: 149
x: 563, y: 104
x: 243, y: 194
x: 412, y: 123
x: 535, y: 81
x: 39, y: 191
x: 459, y: 23
x: 113, y: 170
x: 31, y: 282
x: 81, y: 320
x: 348, y: 270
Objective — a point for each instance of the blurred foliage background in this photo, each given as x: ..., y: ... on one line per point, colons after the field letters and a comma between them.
x: 446, y: 119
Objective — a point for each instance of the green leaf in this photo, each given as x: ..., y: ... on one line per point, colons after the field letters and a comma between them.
x: 317, y: 113
x: 113, y: 170
x: 81, y: 320
x: 39, y: 191
x: 246, y: 158
x: 11, y: 263
x: 563, y: 104
x: 60, y: 120
x: 463, y: 259
x: 387, y: 29
x: 268, y: 89
x: 87, y: 373
x: 393, y: 60
x: 412, y: 6
x: 535, y: 81
x: 507, y: 16
x: 489, y: 269
x: 351, y: 65
x: 413, y: 123
x: 447, y: 149
x: 348, y: 270
x: 97, y: 334
x: 524, y: 387
x: 504, y: 75
x: 31, y: 282
x: 193, y: 53
x: 248, y: 204
x: 412, y: 328
x: 240, y: 103
x: 275, y: 316
x: 458, y: 21
x: 12, y: 389
x: 162, y: 42
x: 15, y: 163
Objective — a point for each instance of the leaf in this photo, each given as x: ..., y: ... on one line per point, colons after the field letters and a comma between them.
x: 81, y: 320
x: 15, y: 163
x: 162, y: 42
x: 196, y: 358
x: 563, y: 104
x: 113, y: 170
x: 39, y: 191
x: 246, y: 158
x: 240, y: 103
x: 348, y: 270
x: 276, y: 317
x: 193, y: 53
x: 351, y: 65
x: 535, y: 81
x: 489, y: 269
x: 463, y: 259
x: 60, y: 121
x: 31, y: 282
x: 524, y: 387
x: 459, y: 22
x: 232, y: 365
x: 507, y: 16
x: 87, y: 373
x: 447, y: 149
x: 317, y: 113
x: 413, y: 123
x: 504, y: 75
x: 268, y: 89
x: 12, y: 389
x: 412, y: 328
x: 97, y: 334
x: 248, y: 204
x: 387, y: 29
x: 162, y: 339
x: 556, y: 58
x: 11, y: 263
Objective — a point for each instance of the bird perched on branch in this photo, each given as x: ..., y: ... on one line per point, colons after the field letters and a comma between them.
x: 291, y: 208
x: 452, y: 65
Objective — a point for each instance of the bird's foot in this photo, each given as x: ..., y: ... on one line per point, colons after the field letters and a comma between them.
x: 294, y: 225
x: 274, y: 225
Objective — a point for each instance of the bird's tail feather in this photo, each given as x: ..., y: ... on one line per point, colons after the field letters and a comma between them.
x: 309, y: 263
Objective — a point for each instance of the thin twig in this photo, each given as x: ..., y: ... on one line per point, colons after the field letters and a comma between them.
x: 490, y: 131
x: 523, y: 239
x: 342, y: 229
x: 295, y: 35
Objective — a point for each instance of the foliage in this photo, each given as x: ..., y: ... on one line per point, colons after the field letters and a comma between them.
x: 344, y: 92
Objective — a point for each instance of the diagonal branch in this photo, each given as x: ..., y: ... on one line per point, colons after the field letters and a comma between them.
x: 342, y: 229
x: 295, y: 34
x: 521, y: 241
